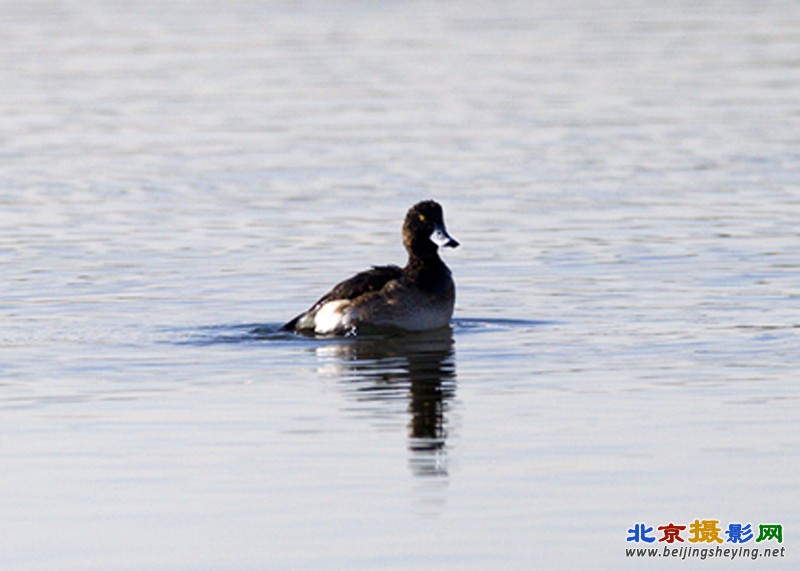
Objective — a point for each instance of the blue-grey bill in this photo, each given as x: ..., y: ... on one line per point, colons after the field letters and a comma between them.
x: 441, y: 238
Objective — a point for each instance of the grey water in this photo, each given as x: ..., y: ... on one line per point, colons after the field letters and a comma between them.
x: 178, y: 179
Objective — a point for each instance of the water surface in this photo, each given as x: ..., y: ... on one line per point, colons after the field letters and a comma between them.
x: 178, y: 180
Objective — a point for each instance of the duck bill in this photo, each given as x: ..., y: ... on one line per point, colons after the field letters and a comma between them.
x: 441, y: 238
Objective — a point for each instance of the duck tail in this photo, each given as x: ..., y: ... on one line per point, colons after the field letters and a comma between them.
x: 292, y: 325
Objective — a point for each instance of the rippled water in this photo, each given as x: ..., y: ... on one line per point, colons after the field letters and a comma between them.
x: 178, y: 180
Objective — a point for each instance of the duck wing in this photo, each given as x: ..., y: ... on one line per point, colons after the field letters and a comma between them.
x: 367, y: 281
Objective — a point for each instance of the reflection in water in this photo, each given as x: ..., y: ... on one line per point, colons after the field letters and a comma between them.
x: 417, y: 367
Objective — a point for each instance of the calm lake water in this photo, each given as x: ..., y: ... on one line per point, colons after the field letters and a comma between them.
x: 177, y: 180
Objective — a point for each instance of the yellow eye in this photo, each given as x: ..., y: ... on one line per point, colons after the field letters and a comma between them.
x: 422, y: 218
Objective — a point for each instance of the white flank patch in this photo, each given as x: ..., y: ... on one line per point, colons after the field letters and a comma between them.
x: 330, y: 317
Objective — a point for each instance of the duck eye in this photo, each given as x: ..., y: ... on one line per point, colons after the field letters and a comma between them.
x: 422, y: 218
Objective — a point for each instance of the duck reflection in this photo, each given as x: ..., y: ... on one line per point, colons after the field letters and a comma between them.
x: 419, y: 368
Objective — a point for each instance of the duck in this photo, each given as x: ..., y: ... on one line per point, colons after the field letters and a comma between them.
x: 417, y: 297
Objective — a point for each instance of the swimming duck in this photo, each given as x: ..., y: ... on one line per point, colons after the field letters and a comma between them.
x: 417, y: 297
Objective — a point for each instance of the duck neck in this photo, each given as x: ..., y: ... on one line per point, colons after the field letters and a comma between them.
x: 425, y: 267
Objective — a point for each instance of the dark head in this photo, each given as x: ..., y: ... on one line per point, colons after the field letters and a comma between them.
x: 423, y: 229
